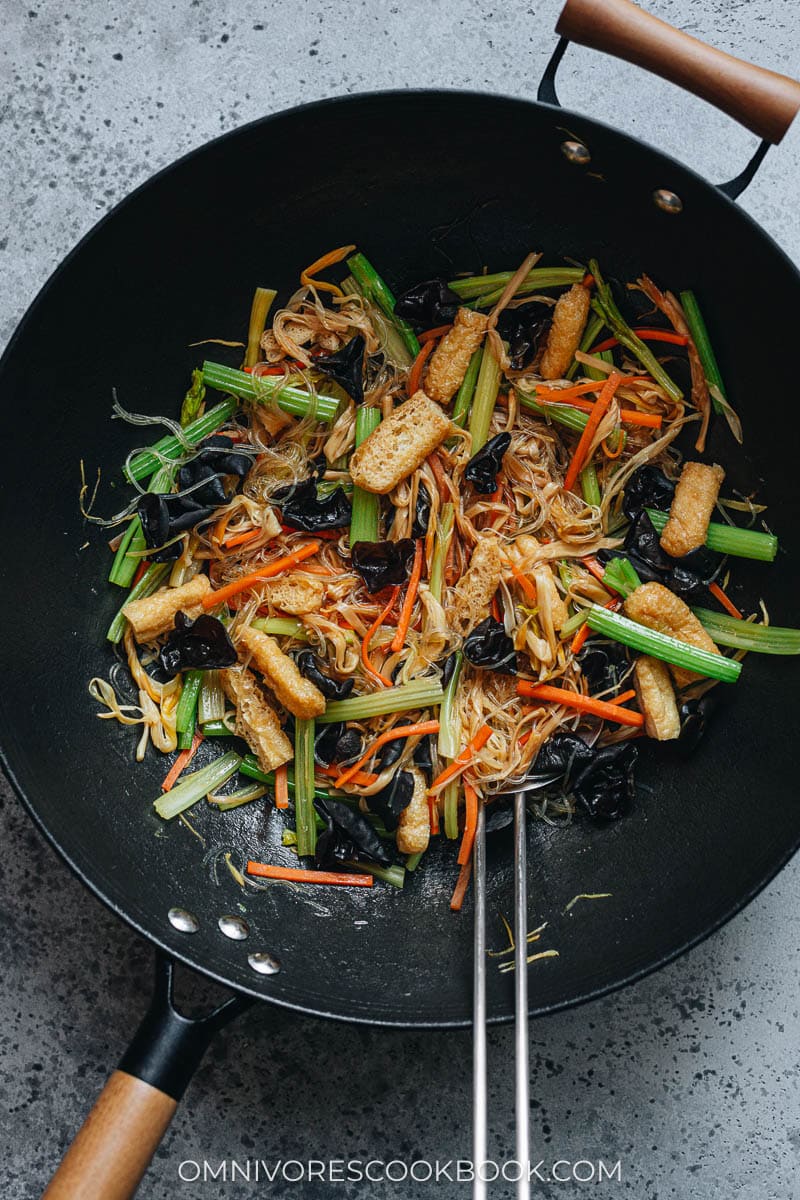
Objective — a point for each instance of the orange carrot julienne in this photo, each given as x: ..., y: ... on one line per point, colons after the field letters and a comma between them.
x: 624, y: 697
x: 528, y: 588
x: 241, y: 539
x: 599, y: 410
x: 268, y: 571
x: 181, y: 763
x: 462, y: 760
x: 495, y: 607
x: 327, y: 260
x: 470, y: 823
x: 460, y: 890
x: 404, y: 619
x: 282, y: 787
x: 595, y: 568
x: 598, y: 708
x: 433, y: 816
x: 361, y: 778
x: 391, y: 735
x: 577, y: 643
x: 435, y: 464
x: 725, y: 601
x: 140, y: 570
x: 612, y: 454
x: 415, y: 374
x: 368, y: 636
x: 429, y: 334
x: 299, y: 875
x: 221, y: 525
x: 647, y: 335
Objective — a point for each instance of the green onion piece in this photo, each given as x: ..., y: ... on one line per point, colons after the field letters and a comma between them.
x: 594, y: 327
x: 485, y: 398
x: 451, y: 810
x: 304, y: 787
x: 235, y: 799
x: 211, y: 704
x: 413, y: 860
x: 728, y: 539
x: 590, y: 487
x: 216, y: 729
x: 259, y: 310
x: 375, y: 289
x: 605, y: 306
x: 150, y: 582
x: 293, y: 400
x: 186, y: 715
x: 366, y: 506
x: 394, y: 875
x: 197, y: 785
x: 193, y: 400
x: 466, y: 392
x: 539, y: 277
x: 172, y: 447
x: 418, y: 693
x: 441, y: 544
x: 282, y: 627
x: 128, y: 557
x: 562, y: 414
x: 660, y: 645
x: 744, y: 635
x: 449, y: 725
x: 699, y: 332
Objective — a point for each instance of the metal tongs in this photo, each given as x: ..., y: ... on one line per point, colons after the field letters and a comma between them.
x: 479, y: 1078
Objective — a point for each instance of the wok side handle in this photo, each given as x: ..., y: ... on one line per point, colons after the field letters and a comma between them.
x: 113, y: 1148
x: 765, y: 102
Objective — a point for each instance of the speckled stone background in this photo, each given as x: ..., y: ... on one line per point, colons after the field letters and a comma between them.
x: 689, y: 1078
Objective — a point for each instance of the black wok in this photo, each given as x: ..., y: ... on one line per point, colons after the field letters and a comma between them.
x: 177, y: 262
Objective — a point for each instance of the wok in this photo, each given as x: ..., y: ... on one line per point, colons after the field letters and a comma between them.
x: 176, y: 262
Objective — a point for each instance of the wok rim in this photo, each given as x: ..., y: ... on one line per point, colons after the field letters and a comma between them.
x: 629, y: 141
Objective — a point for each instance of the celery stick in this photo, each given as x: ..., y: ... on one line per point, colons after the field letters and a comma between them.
x: 418, y: 693
x: 197, y: 785
x: 660, y: 645
x: 744, y: 635
x: 146, y: 463
x: 366, y: 505
x: 150, y: 582
x: 485, y: 398
x: 728, y: 539
x: 304, y: 787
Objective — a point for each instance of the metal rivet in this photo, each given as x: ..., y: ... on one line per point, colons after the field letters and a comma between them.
x: 667, y: 201
x: 234, y: 927
x: 183, y: 921
x: 576, y: 152
x: 264, y: 963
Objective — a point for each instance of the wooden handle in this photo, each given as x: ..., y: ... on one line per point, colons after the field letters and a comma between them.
x: 113, y: 1148
x: 761, y: 100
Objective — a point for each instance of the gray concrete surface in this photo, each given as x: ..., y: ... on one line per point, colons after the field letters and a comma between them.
x: 689, y: 1078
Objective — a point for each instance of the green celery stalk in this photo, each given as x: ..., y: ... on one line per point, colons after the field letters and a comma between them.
x: 573, y: 624
x: 291, y: 399
x: 708, y: 359
x: 235, y: 799
x: 128, y: 557
x: 216, y: 729
x: 391, y: 341
x: 562, y: 414
x: 146, y: 463
x: 394, y: 875
x: 660, y: 645
x: 418, y: 693
x: 451, y: 810
x: 366, y: 510
x: 728, y: 539
x: 150, y: 582
x: 282, y: 627
x: 413, y: 860
x: 540, y: 277
x: 744, y: 635
x: 193, y: 400
x: 186, y: 715
x: 211, y: 702
x: 375, y: 289
x: 304, y: 787
x: 263, y: 299
x: 197, y: 785
x: 444, y: 531
x: 590, y: 487
x: 449, y: 742
x: 485, y: 398
x: 466, y: 392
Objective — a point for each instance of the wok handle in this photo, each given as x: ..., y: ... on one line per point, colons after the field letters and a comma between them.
x: 113, y: 1148
x: 761, y: 100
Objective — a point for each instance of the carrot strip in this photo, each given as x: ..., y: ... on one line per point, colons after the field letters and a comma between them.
x: 623, y: 699
x: 612, y: 454
x: 181, y: 763
x: 368, y: 636
x: 299, y: 875
x: 725, y: 601
x: 433, y: 816
x: 282, y: 787
x: 648, y: 335
x: 435, y: 465
x: 327, y: 260
x: 404, y: 620
x: 221, y: 525
x: 462, y: 760
x: 578, y: 642
x: 415, y: 374
x: 361, y: 778
x: 140, y: 570
x: 628, y: 416
x: 598, y: 708
x: 460, y: 890
x: 595, y: 568
x: 580, y: 456
x: 495, y: 607
x: 429, y: 334
x: 470, y: 824
x: 269, y: 571
x: 391, y: 735
x: 241, y: 538
x: 528, y: 588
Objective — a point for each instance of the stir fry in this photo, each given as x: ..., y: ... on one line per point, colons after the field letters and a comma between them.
x: 413, y: 552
